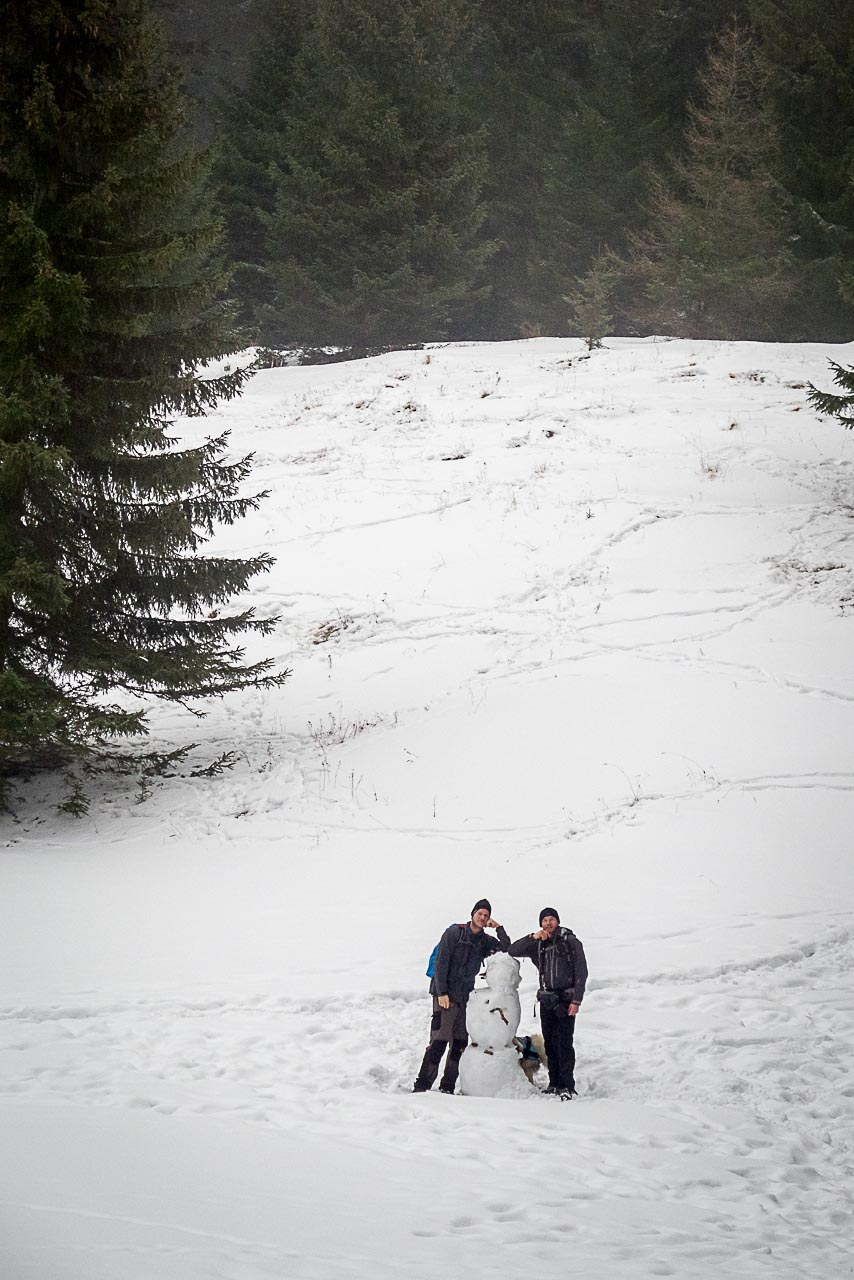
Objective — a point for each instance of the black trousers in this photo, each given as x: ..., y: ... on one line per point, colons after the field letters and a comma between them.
x: 558, y: 1032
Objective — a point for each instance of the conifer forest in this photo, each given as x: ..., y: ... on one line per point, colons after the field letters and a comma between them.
x: 388, y: 173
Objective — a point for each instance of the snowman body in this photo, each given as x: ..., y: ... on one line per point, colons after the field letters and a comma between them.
x: 489, y: 1068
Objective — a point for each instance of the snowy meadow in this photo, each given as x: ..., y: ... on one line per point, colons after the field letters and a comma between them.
x: 564, y: 628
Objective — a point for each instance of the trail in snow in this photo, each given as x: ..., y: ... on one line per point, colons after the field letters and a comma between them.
x: 562, y: 628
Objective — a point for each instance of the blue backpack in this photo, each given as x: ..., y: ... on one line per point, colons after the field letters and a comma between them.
x: 431, y: 963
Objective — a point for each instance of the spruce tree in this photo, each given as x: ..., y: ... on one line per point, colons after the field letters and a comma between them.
x: 375, y: 236
x: 662, y: 47
x: 591, y: 304
x: 839, y: 404
x: 528, y: 58
x: 578, y: 100
x: 808, y: 51
x: 252, y: 118
x: 109, y: 278
x: 714, y: 261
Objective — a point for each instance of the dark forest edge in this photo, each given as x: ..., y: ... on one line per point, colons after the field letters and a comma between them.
x: 447, y: 169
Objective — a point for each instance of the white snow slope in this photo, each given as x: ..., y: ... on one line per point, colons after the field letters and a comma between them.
x: 564, y: 630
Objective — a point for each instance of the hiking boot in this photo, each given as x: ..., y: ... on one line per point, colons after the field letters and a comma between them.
x: 419, y: 1087
x: 444, y: 1089
x: 566, y: 1095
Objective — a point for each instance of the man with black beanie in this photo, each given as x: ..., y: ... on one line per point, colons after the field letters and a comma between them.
x: 462, y: 950
x: 562, y: 966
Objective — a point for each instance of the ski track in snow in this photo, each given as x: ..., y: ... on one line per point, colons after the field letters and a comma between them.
x: 574, y: 625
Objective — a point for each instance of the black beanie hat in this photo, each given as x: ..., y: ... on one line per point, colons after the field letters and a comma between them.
x: 482, y: 905
x: 549, y: 911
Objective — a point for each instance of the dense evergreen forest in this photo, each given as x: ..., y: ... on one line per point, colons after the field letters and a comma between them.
x: 389, y: 173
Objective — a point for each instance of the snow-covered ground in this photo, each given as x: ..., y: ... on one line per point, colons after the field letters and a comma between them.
x: 564, y: 630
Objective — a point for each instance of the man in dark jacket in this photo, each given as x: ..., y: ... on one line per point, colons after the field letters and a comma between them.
x: 560, y: 961
x: 463, y: 948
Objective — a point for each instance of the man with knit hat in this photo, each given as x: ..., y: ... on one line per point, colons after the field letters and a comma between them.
x: 462, y: 950
x: 561, y: 964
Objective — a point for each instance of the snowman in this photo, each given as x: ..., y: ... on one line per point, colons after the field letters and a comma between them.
x: 489, y: 1068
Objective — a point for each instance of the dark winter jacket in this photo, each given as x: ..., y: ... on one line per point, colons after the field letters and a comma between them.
x: 560, y: 961
x: 459, y: 958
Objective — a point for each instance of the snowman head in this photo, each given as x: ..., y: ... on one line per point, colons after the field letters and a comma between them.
x: 502, y: 972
